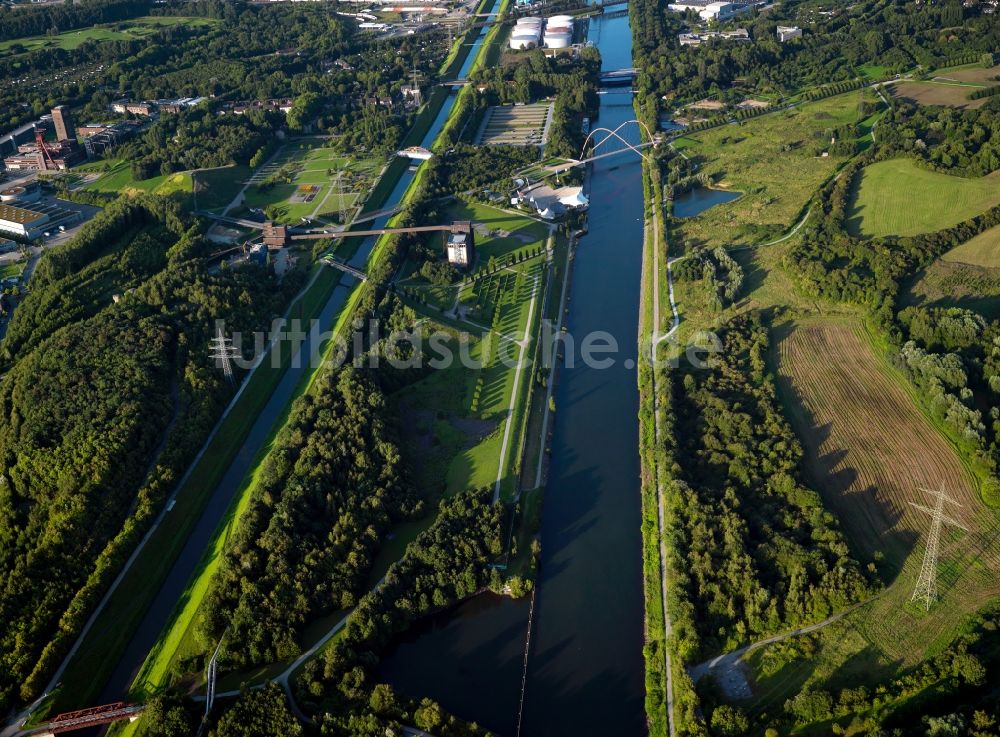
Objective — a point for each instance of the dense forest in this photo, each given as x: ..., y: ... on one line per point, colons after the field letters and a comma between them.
x: 960, y: 142
x: 752, y: 551
x: 326, y: 496
x: 103, y: 405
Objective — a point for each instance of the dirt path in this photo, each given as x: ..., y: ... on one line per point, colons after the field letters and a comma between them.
x: 660, y: 503
x: 727, y: 670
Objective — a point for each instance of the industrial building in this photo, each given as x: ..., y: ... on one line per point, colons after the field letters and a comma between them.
x: 21, y: 222
x: 787, y: 33
x: 21, y: 194
x: 720, y: 11
x: 63, y: 121
x: 99, y: 139
x: 551, y: 202
x: 559, y: 32
x: 42, y: 156
x: 461, y: 247
x: 739, y: 35
x: 10, y: 141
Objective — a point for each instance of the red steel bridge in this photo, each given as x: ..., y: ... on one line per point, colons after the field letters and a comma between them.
x: 95, y: 716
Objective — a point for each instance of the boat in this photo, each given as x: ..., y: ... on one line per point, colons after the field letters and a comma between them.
x: 416, y: 152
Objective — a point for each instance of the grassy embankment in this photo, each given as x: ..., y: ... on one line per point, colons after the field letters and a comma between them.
x: 654, y: 650
x: 177, y: 641
x: 116, y: 178
x: 967, y: 276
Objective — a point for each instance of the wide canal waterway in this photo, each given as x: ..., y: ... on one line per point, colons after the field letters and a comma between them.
x: 585, y: 667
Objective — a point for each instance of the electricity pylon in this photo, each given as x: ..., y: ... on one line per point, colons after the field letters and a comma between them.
x: 223, y: 352
x: 926, y: 589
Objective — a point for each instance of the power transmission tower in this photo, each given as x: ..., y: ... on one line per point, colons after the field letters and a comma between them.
x: 223, y: 352
x: 926, y: 589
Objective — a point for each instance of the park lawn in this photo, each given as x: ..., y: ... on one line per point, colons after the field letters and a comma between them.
x: 310, y: 162
x: 462, y: 430
x: 129, y: 31
x: 510, y: 234
x: 872, y: 72
x: 773, y: 161
x: 15, y: 268
x: 897, y: 197
x: 216, y: 188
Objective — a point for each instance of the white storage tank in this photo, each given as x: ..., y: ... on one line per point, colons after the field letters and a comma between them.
x: 558, y: 40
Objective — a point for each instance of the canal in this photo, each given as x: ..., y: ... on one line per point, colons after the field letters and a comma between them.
x: 585, y: 668
x: 172, y: 591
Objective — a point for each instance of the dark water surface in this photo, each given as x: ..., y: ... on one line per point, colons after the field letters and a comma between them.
x: 696, y: 201
x: 585, y: 669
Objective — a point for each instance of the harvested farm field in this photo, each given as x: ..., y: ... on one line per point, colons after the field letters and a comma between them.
x: 869, y: 450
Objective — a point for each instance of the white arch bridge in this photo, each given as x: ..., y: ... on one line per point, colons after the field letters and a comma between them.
x: 613, y: 143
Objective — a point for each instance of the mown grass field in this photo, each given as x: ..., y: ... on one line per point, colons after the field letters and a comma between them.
x: 124, y: 31
x: 948, y: 87
x: 774, y: 161
x: 983, y: 250
x: 116, y: 178
x: 897, y: 197
x: 869, y: 449
x: 938, y: 93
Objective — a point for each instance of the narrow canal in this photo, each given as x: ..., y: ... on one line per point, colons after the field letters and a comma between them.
x: 172, y: 591
x: 585, y: 668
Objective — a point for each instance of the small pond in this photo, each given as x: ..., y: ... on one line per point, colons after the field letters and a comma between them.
x: 696, y: 201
